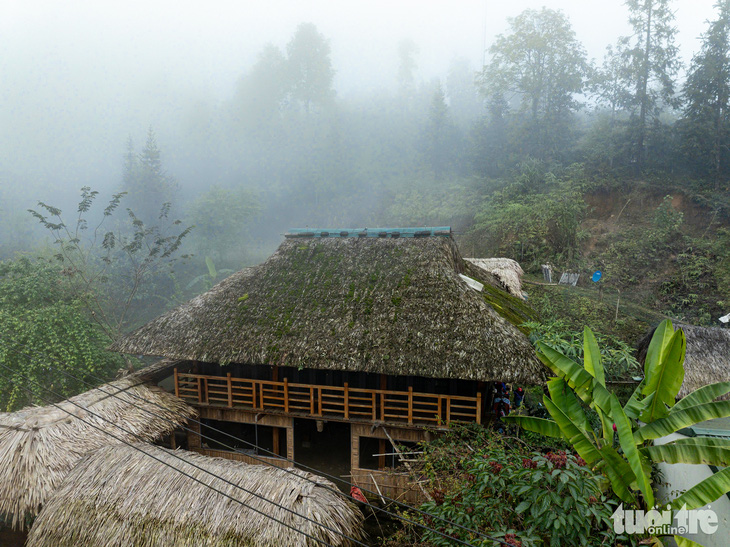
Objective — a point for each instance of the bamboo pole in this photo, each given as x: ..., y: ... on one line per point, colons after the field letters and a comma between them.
x: 408, y: 465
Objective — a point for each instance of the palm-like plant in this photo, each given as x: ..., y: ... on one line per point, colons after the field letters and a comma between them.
x: 649, y: 414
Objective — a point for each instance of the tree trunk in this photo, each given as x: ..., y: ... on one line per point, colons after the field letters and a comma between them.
x: 643, y: 83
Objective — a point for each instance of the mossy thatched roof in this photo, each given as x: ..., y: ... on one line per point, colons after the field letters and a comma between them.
x: 118, y: 496
x: 391, y: 306
x: 707, y: 359
x: 40, y: 445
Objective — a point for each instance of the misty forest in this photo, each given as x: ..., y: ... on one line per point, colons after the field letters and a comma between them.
x: 543, y: 155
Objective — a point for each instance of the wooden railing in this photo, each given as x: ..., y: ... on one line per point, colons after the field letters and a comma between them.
x: 348, y: 403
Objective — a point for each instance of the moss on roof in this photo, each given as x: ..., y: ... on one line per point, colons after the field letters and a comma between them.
x: 392, y: 306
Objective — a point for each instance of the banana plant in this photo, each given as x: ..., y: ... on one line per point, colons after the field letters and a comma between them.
x: 624, y: 450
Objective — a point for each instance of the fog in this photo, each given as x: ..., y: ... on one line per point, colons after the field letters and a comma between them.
x: 81, y: 78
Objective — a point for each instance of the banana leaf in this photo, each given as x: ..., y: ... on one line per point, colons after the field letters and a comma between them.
x: 682, y: 418
x: 658, y: 348
x: 586, y: 387
x: 592, y: 356
x: 702, y: 441
x: 665, y: 379
x: 631, y: 451
x: 619, y: 473
x: 703, y: 395
x: 564, y: 397
x: 636, y: 403
x: 537, y: 425
x: 576, y: 437
x: 688, y: 453
x: 684, y: 542
x: 705, y: 492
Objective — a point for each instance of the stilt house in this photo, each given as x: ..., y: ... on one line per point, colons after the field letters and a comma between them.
x: 341, y: 343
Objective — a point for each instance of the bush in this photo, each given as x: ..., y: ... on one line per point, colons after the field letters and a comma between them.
x: 551, y: 499
x: 503, y: 488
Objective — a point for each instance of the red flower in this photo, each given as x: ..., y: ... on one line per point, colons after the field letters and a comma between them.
x: 527, y: 463
x: 495, y: 467
x: 511, y: 539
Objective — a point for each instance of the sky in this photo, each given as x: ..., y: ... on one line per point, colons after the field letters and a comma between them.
x: 78, y: 77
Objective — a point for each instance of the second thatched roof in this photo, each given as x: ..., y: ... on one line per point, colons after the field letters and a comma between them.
x: 507, y: 271
x: 392, y: 306
x: 707, y: 359
x: 120, y: 496
x: 40, y: 445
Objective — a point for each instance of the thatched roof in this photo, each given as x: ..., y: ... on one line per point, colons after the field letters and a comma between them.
x: 508, y: 271
x: 392, y: 306
x: 707, y: 359
x: 40, y: 445
x: 118, y: 496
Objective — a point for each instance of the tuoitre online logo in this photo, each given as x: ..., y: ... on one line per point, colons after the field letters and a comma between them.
x: 667, y: 522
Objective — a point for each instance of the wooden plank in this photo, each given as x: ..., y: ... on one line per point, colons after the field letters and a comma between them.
x: 230, y: 390
x: 177, y: 384
x: 286, y: 395
x: 347, y: 409
x: 275, y: 440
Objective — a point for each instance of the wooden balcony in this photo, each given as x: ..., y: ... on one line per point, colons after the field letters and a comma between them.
x: 331, y: 402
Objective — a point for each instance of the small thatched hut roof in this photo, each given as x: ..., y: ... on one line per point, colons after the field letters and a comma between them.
x: 394, y: 306
x: 707, y: 359
x: 508, y: 271
x: 118, y: 496
x: 40, y: 445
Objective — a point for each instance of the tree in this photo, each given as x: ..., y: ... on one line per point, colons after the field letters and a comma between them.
x: 222, y: 218
x: 43, y: 325
x: 651, y: 64
x: 111, y: 271
x: 439, y: 134
x: 622, y: 449
x: 542, y: 64
x: 705, y: 126
x: 309, y: 67
x: 464, y: 101
x: 407, y: 51
x: 263, y: 91
x: 145, y: 180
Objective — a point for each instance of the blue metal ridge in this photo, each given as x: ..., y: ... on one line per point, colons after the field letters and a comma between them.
x: 433, y: 231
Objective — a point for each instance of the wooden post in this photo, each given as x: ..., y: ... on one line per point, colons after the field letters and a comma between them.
x: 290, y: 444
x: 177, y: 384
x: 311, y: 400
x: 275, y: 373
x: 230, y: 390
x: 200, y: 390
x: 286, y: 395
x: 479, y: 408
x: 205, y: 381
x: 374, y: 405
x: 319, y: 389
x: 275, y: 440
x: 347, y: 402
x: 410, y: 405
x: 381, y: 458
x: 253, y: 394
x: 448, y: 410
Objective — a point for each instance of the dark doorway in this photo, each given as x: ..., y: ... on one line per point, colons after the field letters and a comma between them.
x: 327, y: 450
